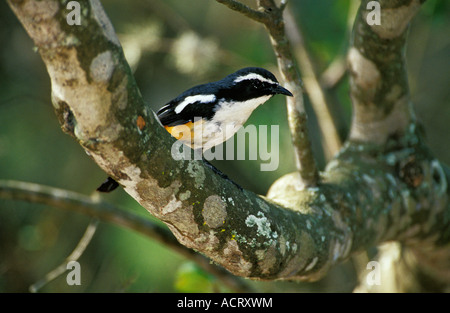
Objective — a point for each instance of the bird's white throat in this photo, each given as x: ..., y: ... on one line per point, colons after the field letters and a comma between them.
x: 238, y: 112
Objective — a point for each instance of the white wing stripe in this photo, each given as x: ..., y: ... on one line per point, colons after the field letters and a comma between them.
x: 192, y: 99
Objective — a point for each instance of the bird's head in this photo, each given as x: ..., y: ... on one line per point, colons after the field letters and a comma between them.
x: 254, y: 82
x: 242, y: 92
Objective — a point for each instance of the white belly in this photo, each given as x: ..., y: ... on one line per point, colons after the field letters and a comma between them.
x: 214, y: 135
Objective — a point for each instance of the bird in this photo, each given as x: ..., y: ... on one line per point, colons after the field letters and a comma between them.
x: 219, y: 109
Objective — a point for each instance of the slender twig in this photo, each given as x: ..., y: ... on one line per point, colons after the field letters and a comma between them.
x: 104, y: 211
x: 247, y: 11
x: 74, y: 256
x: 171, y: 17
x: 271, y: 16
x: 316, y: 93
x: 334, y: 73
x: 337, y: 69
x: 283, y: 4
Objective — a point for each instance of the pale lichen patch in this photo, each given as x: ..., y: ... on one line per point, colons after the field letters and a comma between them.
x: 71, y: 40
x: 102, y: 67
x: 214, y: 211
x: 130, y: 184
x: 197, y: 172
x: 173, y: 205
x: 365, y: 73
x: 183, y: 196
x: 262, y: 224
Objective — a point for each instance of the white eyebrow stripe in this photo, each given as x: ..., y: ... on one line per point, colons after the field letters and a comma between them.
x: 254, y: 76
x: 192, y: 99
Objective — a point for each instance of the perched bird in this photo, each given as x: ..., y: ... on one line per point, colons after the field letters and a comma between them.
x: 218, y: 109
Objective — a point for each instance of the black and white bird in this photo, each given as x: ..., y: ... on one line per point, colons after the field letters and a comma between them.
x: 218, y: 109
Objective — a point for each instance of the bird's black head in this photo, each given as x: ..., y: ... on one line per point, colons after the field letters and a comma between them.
x: 252, y: 82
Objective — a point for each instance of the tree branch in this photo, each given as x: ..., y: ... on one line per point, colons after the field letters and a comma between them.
x: 379, y: 86
x: 245, y: 10
x: 316, y: 93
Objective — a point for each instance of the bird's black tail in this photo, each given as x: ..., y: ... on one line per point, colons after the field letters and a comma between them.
x: 108, y: 186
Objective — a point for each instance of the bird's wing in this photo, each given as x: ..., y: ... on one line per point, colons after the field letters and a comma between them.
x: 168, y: 117
x: 172, y: 114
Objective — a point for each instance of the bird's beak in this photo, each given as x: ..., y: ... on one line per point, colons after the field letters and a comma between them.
x: 282, y: 91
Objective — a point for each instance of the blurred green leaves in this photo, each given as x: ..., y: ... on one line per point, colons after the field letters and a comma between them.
x: 30, y: 238
x: 191, y: 278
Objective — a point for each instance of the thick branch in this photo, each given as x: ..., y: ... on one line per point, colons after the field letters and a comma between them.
x: 379, y: 86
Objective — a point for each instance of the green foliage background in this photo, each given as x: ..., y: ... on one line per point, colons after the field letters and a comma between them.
x: 171, y: 46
